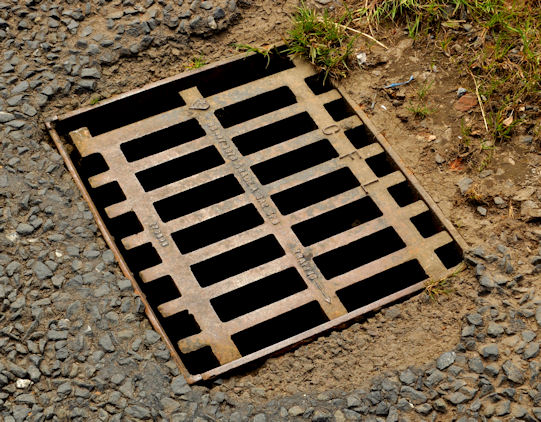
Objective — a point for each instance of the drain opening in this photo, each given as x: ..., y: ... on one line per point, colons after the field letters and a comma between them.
x: 279, y: 328
x: 237, y: 260
x: 275, y: 133
x: 295, y: 161
x: 255, y: 106
x: 426, y: 224
x: 450, y: 255
x: 258, y: 294
x: 381, y: 164
x: 162, y: 140
x: 159, y: 291
x: 339, y: 109
x: 380, y: 285
x: 318, y: 84
x: 125, y: 225
x: 403, y: 194
x: 142, y: 257
x: 181, y: 324
x: 179, y: 168
x: 360, y: 137
x: 90, y: 165
x: 194, y: 199
x: 217, y: 228
x: 125, y: 111
x: 336, y: 221
x: 237, y: 73
x: 159, y: 99
x: 360, y: 252
x: 108, y: 194
x: 199, y: 361
x: 315, y: 190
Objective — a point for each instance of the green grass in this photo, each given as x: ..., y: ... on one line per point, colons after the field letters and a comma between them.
x: 196, y: 63
x: 435, y: 288
x: 503, y: 50
x: 321, y: 39
x: 421, y: 111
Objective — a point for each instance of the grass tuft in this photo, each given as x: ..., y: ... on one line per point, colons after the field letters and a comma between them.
x: 321, y: 39
x: 435, y: 288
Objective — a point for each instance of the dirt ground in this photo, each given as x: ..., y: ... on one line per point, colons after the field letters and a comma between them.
x: 417, y: 330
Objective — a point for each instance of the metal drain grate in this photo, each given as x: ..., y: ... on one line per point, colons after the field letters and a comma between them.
x: 253, y: 208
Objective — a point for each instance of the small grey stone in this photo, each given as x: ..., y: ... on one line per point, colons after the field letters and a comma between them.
x: 434, y: 379
x: 407, y: 377
x: 414, y: 396
x: 445, y: 360
x: 325, y: 416
x: 526, y: 139
x: 90, y: 73
x: 476, y: 365
x: 494, y: 330
x: 486, y: 282
x: 151, y: 337
x: 528, y: 335
x: 424, y: 409
x: 482, y: 211
x: 179, y: 386
x: 25, y: 229
x: 106, y: 343
x: 6, y: 117
x: 353, y: 401
x: 41, y: 270
x: 295, y: 411
x: 124, y: 285
x: 490, y: 352
x: 460, y: 92
x: 492, y: 370
x: 138, y: 412
x: 531, y: 350
x: 538, y: 315
x: 456, y: 398
x: 464, y: 184
x: 499, y: 201
x: 468, y: 331
x: 64, y: 389
x: 475, y: 319
x: 218, y: 13
x: 513, y: 373
x: 20, y: 87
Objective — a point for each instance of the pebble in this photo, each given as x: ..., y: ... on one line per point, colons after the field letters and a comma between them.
x: 445, y: 360
x: 464, y: 184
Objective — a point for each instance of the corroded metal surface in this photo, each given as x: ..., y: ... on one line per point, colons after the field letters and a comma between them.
x: 202, y: 273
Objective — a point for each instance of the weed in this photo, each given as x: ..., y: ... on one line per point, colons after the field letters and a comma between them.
x: 196, y: 63
x: 423, y: 91
x: 420, y: 111
x: 95, y: 100
x: 265, y: 52
x: 322, y: 40
x: 435, y: 288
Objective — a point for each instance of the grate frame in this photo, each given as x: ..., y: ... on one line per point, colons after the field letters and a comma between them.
x: 202, y: 109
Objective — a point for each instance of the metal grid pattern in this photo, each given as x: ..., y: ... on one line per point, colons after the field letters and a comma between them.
x: 267, y: 236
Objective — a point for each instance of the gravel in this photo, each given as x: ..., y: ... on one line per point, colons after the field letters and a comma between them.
x: 74, y: 341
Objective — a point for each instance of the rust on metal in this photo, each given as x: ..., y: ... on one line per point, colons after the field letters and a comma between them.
x: 252, y: 214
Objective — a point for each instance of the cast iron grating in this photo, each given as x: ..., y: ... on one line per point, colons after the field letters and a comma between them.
x: 253, y: 208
